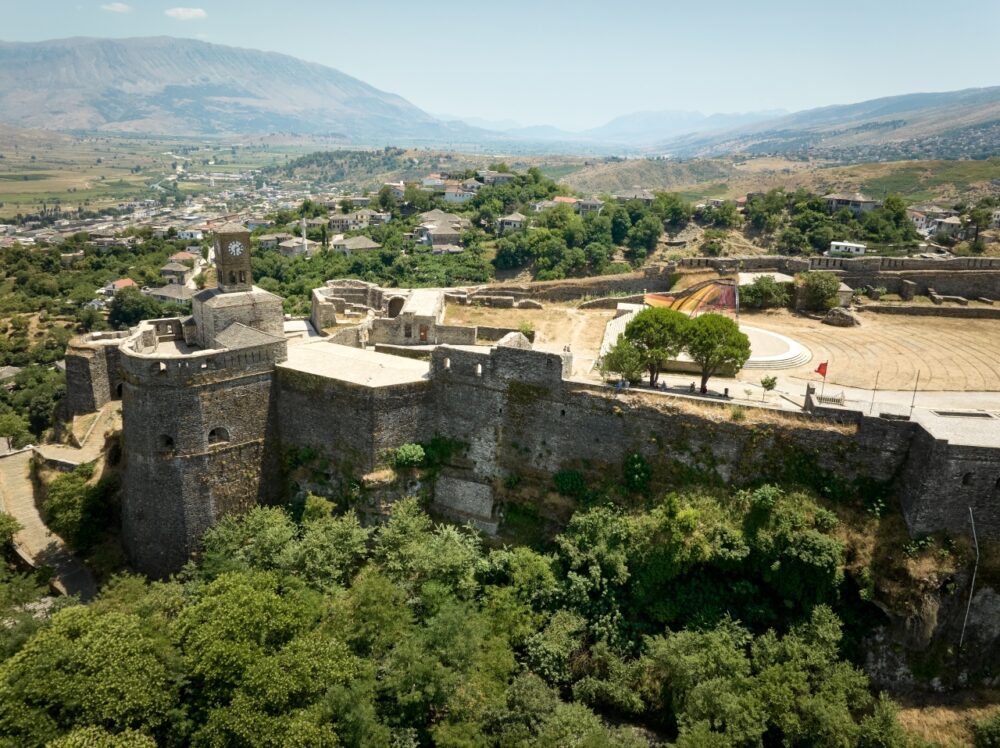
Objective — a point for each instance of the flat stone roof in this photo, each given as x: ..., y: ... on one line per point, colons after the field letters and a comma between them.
x: 354, y: 365
x: 424, y: 302
x: 974, y: 428
x: 745, y: 279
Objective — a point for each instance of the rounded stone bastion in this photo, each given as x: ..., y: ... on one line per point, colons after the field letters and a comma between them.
x: 195, y: 422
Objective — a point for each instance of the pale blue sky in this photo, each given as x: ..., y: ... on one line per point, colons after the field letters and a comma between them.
x: 577, y: 63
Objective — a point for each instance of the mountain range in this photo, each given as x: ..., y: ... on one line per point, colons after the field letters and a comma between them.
x: 184, y: 87
x: 168, y: 86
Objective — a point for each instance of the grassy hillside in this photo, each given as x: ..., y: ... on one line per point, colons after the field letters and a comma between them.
x: 916, y: 181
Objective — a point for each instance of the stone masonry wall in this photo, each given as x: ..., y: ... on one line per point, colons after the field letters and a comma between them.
x: 350, y: 424
x: 198, y: 438
x: 943, y: 481
x: 92, y: 372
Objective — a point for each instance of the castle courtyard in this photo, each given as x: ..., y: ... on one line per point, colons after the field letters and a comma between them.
x: 951, y: 354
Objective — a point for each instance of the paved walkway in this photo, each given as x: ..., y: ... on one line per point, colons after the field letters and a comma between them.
x: 34, y: 542
x: 109, y: 419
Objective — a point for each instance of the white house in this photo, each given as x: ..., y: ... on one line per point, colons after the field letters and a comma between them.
x: 191, y: 235
x: 458, y: 195
x: 847, y: 248
x: 512, y: 222
x: 949, y: 226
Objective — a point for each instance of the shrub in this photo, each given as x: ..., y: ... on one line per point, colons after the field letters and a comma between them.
x: 76, y: 511
x: 819, y: 290
x: 570, y: 483
x: 986, y: 733
x: 408, y: 456
x: 636, y: 472
x: 764, y: 293
x: 525, y: 328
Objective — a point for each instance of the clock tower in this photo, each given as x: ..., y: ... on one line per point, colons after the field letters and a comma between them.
x: 232, y: 258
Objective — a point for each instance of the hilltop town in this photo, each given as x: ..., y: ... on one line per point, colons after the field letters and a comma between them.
x: 328, y: 421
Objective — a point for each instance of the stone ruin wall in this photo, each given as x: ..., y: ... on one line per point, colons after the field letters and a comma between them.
x: 971, y: 277
x: 92, y: 372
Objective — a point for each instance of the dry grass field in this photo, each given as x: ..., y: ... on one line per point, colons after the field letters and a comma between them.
x: 947, y: 720
x: 555, y: 326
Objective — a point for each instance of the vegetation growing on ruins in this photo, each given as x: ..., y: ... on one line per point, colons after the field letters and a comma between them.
x: 819, y: 290
x: 697, y: 619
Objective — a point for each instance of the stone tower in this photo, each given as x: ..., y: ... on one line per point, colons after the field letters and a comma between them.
x: 232, y: 258
x: 198, y: 412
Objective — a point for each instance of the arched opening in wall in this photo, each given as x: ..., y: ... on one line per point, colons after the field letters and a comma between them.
x: 479, y: 370
x: 165, y: 443
x: 997, y: 484
x: 218, y: 435
x: 407, y: 331
x: 967, y: 479
x: 396, y: 305
x: 118, y: 389
x: 232, y: 277
x: 447, y: 364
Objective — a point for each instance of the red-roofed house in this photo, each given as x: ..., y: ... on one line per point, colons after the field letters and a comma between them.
x: 115, y: 286
x: 183, y: 256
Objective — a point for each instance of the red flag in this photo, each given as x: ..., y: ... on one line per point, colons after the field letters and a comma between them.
x: 821, y: 369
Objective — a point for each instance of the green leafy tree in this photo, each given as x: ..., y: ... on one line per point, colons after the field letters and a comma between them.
x: 130, y: 306
x: 715, y: 343
x: 768, y: 384
x: 105, y: 670
x: 659, y: 335
x: 623, y: 359
x: 765, y: 292
x: 819, y: 290
x: 645, y: 234
x: 672, y: 209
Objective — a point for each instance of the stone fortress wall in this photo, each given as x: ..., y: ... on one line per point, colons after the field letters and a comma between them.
x: 195, y: 430
x: 211, y: 405
x: 93, y: 376
x: 971, y: 277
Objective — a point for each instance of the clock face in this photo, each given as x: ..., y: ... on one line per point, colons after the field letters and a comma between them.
x: 235, y: 248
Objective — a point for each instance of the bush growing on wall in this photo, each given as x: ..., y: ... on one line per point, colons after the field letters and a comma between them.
x: 407, y: 456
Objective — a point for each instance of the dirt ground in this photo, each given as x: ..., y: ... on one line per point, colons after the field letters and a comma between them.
x: 957, y: 355
x: 555, y: 326
x: 951, y: 354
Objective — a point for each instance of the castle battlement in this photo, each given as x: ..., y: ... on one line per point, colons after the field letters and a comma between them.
x: 211, y: 402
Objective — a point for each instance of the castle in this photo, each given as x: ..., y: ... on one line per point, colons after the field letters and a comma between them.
x: 212, y: 402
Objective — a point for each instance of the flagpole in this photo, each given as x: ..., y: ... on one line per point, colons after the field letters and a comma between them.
x: 870, y: 409
x: 914, y: 400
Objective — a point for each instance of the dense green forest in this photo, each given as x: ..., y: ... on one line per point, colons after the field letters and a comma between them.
x: 699, y: 619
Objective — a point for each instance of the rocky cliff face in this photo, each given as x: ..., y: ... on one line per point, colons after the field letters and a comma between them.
x: 185, y: 87
x: 919, y: 648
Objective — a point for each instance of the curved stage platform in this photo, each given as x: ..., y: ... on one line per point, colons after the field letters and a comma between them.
x: 770, y: 350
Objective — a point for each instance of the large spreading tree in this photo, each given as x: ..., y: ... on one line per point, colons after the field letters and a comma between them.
x: 659, y: 335
x: 715, y: 343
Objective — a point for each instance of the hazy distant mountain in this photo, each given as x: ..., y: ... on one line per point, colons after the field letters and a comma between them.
x: 957, y: 123
x: 186, y: 87
x: 635, y: 130
x: 650, y: 127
